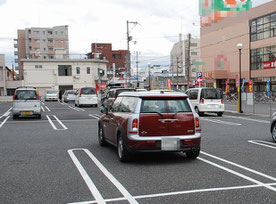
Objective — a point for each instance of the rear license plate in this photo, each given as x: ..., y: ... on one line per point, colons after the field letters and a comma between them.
x: 170, y: 144
x: 27, y: 113
x: 212, y: 106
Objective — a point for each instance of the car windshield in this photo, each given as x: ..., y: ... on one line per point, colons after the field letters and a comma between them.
x: 88, y: 91
x: 165, y: 105
x: 25, y: 95
x: 123, y: 90
x: 51, y: 92
x: 211, y: 94
x: 71, y: 92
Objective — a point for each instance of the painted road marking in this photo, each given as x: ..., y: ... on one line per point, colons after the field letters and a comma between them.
x: 64, y: 127
x: 267, y: 144
x: 51, y: 122
x: 115, y: 182
x: 264, y: 116
x: 95, y: 116
x: 43, y: 103
x: 53, y: 125
x: 6, y: 113
x: 240, y: 166
x: 76, y: 108
x: 1, y: 125
x: 47, y: 108
x: 250, y: 119
x: 42, y: 109
x: 221, y: 122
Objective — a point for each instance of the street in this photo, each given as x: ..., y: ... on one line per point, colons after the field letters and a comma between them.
x: 58, y: 160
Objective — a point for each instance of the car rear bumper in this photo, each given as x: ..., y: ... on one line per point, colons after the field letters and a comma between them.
x: 20, y: 111
x: 51, y: 98
x: 92, y: 101
x: 135, y: 143
x: 211, y: 108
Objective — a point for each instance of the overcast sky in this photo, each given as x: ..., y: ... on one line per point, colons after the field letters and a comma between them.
x: 104, y: 21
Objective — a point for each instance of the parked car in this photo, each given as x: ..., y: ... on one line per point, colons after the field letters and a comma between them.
x: 86, y: 96
x: 273, y: 127
x: 26, y: 103
x: 69, y: 95
x: 51, y: 95
x: 206, y: 100
x: 150, y: 122
x: 112, y: 94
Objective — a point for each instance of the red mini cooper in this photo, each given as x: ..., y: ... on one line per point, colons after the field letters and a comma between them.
x: 150, y: 122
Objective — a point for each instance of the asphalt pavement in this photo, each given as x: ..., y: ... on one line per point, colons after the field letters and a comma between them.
x: 58, y: 160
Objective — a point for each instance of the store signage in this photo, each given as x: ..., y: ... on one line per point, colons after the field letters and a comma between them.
x: 237, y: 81
x: 270, y: 65
x: 250, y: 85
x: 169, y: 84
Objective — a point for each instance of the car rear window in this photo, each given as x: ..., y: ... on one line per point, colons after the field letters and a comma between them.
x: 123, y: 90
x: 211, y: 94
x: 51, y: 92
x: 165, y: 105
x: 25, y: 95
x: 88, y: 91
x: 71, y: 92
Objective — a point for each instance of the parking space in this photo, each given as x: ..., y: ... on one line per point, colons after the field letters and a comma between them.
x: 65, y: 164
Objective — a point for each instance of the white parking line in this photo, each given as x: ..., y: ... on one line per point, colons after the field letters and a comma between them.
x: 221, y: 122
x: 115, y: 182
x: 42, y: 109
x: 51, y: 122
x: 65, y: 128
x: 267, y: 144
x: 94, y: 116
x: 43, y: 103
x: 47, y: 108
x: 76, y: 108
x: 1, y: 125
x: 240, y: 166
x: 6, y: 113
x: 250, y: 119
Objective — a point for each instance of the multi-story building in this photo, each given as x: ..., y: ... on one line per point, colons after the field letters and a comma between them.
x: 41, y: 43
x: 63, y: 74
x: 256, y: 31
x: 116, y: 58
x: 185, y: 51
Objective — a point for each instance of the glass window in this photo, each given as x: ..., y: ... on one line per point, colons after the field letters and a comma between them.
x: 88, y: 70
x: 128, y: 104
x: 260, y: 21
x: 273, y: 17
x: 64, y: 70
x: 88, y: 91
x: 211, y: 94
x: 193, y: 94
x: 116, y: 105
x: 260, y: 36
x: 77, y: 70
x: 267, y: 19
x: 26, y: 95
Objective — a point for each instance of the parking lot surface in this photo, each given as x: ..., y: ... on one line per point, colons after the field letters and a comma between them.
x: 58, y: 160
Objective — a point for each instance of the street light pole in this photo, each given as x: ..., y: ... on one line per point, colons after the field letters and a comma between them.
x: 149, y: 76
x: 239, y: 91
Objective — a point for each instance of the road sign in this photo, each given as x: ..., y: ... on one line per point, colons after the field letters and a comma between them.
x: 199, y: 74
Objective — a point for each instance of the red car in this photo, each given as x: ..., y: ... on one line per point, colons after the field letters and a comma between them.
x: 150, y: 122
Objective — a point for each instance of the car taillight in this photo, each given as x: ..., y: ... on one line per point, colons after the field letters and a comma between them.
x: 135, y: 124
x: 14, y: 95
x: 221, y: 101
x: 197, y: 122
x: 80, y: 92
x: 66, y: 94
x: 202, y: 101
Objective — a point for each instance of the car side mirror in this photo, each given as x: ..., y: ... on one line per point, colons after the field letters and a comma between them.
x: 104, y: 110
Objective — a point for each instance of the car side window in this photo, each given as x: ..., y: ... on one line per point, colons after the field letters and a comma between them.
x: 193, y: 94
x: 128, y: 104
x: 116, y: 105
x: 188, y: 93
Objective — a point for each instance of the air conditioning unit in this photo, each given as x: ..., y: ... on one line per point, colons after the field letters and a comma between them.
x: 76, y: 76
x: 54, y: 72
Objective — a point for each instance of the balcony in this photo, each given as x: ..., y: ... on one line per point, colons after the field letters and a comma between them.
x: 15, y: 52
x: 15, y: 45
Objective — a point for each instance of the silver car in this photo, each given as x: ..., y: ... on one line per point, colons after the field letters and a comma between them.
x: 69, y: 95
x: 51, y: 95
x: 26, y: 103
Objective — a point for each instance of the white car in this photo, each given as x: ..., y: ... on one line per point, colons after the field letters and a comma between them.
x: 86, y: 96
x: 206, y: 100
x: 51, y: 95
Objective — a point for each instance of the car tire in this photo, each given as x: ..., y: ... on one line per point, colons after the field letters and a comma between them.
x: 123, y: 154
x: 14, y: 117
x: 219, y: 114
x: 198, y: 112
x: 39, y: 116
x: 273, y: 131
x: 101, y: 139
x: 192, y: 154
x: 75, y: 104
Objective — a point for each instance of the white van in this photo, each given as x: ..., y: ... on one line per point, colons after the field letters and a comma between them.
x: 206, y: 100
x: 86, y: 96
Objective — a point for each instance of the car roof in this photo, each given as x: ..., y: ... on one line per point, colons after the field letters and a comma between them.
x: 25, y: 88
x: 153, y: 94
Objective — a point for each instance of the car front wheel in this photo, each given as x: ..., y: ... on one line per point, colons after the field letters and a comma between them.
x: 220, y: 114
x: 273, y: 132
x: 124, y: 155
x: 101, y: 139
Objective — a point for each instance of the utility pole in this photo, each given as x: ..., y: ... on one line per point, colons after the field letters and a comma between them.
x: 188, y: 58
x: 129, y: 38
x: 176, y: 73
x: 137, y: 69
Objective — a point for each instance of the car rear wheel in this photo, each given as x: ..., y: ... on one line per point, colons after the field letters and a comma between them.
x: 39, y: 116
x: 14, y: 117
x: 198, y: 112
x: 192, y: 154
x: 101, y: 139
x: 273, y: 132
x: 219, y: 114
x: 124, y: 155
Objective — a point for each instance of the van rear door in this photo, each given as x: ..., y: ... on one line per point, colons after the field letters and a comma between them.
x: 211, y: 97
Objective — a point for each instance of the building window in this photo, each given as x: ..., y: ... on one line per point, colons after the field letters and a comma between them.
x: 51, y: 49
x: 193, y: 44
x: 193, y: 53
x: 116, y: 56
x: 88, y: 70
x: 263, y: 27
x: 51, y: 56
x: 36, y: 32
x: 64, y: 70
x: 263, y: 56
x: 50, y: 32
x: 77, y: 70
x: 38, y: 66
x: 44, y: 32
x: 50, y: 40
x: 56, y: 32
x: 37, y: 41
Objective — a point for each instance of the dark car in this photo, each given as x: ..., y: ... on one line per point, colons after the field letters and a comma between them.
x: 273, y: 127
x: 150, y: 122
x: 112, y: 94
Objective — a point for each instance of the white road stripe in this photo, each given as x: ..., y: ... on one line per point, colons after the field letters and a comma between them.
x: 47, y: 108
x: 42, y: 109
x: 94, y: 116
x: 259, y: 142
x: 93, y: 189
x: 6, y: 113
x: 240, y: 166
x: 221, y: 122
x: 238, y: 174
x: 43, y: 103
x: 115, y: 182
x: 180, y: 193
x: 65, y: 128
x: 1, y: 125
x: 250, y: 119
x: 51, y: 122
x: 73, y: 108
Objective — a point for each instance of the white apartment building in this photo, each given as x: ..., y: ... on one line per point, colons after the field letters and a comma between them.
x: 62, y: 74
